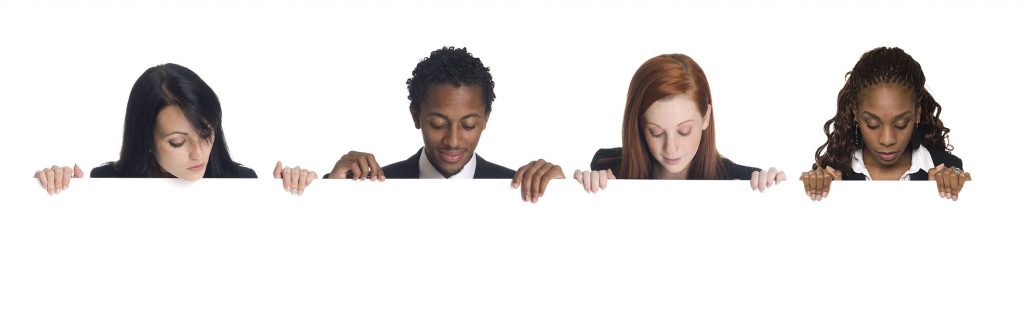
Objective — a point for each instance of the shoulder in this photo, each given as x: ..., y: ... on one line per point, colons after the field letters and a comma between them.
x: 606, y: 159
x: 485, y: 169
x: 408, y: 168
x: 944, y: 157
x: 104, y: 171
x: 736, y: 171
x: 244, y: 172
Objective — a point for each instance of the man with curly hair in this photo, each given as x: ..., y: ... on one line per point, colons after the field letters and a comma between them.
x: 450, y: 97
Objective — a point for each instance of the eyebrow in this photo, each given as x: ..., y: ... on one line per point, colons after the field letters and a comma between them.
x: 659, y: 126
x: 446, y: 117
x: 175, y: 132
x: 898, y: 117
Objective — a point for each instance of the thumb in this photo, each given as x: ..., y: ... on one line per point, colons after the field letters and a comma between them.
x: 577, y: 175
x: 611, y: 175
x: 78, y: 172
x: 836, y: 174
x: 277, y: 170
x: 936, y: 169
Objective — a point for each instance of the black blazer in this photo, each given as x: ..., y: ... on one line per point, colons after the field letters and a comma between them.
x: 938, y: 157
x: 606, y: 159
x: 107, y: 171
x: 410, y: 168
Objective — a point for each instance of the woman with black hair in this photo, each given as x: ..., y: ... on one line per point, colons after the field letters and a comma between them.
x: 172, y: 128
x: 886, y: 127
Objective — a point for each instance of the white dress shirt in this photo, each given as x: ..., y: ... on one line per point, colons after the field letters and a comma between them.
x: 920, y: 159
x: 427, y: 170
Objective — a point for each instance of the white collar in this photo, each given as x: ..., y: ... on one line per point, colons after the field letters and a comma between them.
x: 427, y: 170
x: 920, y: 159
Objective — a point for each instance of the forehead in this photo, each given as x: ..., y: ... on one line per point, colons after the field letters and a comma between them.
x: 453, y: 102
x: 171, y: 119
x: 672, y: 110
x: 886, y: 100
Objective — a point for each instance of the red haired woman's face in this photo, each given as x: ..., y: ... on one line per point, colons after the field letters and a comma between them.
x: 672, y: 127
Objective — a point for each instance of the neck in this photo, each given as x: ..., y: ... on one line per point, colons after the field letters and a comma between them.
x: 661, y: 173
x: 878, y: 171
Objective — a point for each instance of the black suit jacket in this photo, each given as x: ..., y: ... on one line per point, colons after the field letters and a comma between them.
x: 938, y: 157
x: 606, y: 159
x: 410, y: 168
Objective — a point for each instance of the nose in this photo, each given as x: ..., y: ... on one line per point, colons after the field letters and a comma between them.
x: 672, y: 144
x: 196, y: 149
x: 888, y: 137
x: 452, y: 137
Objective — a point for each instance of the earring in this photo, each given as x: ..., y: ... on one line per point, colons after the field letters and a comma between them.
x: 856, y: 132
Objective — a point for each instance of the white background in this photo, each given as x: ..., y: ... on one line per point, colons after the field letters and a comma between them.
x: 305, y: 82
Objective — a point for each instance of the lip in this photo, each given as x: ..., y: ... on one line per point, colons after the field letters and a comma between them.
x: 452, y: 156
x: 887, y: 156
x: 197, y: 167
x: 672, y: 161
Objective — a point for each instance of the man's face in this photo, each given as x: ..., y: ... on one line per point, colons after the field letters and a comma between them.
x: 452, y: 120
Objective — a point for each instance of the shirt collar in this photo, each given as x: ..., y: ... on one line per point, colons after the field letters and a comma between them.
x: 920, y: 159
x: 427, y: 170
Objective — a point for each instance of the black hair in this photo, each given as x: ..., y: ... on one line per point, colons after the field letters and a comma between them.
x: 171, y: 85
x: 454, y: 66
x: 883, y: 65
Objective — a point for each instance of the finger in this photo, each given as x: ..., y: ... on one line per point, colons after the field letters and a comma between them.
x: 66, y: 180
x: 527, y: 179
x: 611, y: 175
x: 587, y: 182
x: 277, y: 170
x: 762, y: 181
x: 302, y: 180
x: 78, y: 172
x: 781, y: 177
x: 936, y: 169
x: 578, y: 175
x: 295, y: 171
x: 772, y: 173
x: 603, y: 179
x: 753, y: 180
x: 518, y: 178
x: 58, y: 179
x: 309, y: 178
x: 958, y: 183
x: 49, y: 181
x: 364, y: 167
x: 827, y: 183
x: 540, y: 181
x: 356, y: 171
x: 940, y: 182
x: 595, y: 181
x: 286, y: 179
x: 41, y: 175
x: 375, y: 172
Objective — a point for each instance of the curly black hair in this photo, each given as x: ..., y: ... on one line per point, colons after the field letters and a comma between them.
x: 883, y: 65
x: 454, y: 66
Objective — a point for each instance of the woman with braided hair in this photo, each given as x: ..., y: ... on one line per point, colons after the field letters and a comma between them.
x: 886, y: 127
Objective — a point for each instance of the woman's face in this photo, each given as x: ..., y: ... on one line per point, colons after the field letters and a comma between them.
x: 180, y: 151
x: 886, y: 117
x: 672, y: 127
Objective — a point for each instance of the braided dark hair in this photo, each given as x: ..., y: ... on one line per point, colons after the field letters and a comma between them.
x: 883, y: 65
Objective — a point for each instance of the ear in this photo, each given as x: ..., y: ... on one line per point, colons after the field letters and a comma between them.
x: 707, y: 118
x: 415, y: 116
x: 484, y: 125
x: 919, y: 115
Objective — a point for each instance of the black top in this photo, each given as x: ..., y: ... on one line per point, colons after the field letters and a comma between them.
x: 410, y: 168
x: 606, y: 159
x: 107, y: 171
x: 938, y: 157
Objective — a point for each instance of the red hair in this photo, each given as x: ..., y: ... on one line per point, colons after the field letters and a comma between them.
x: 660, y: 77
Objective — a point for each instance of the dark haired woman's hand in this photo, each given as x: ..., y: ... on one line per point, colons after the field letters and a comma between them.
x: 593, y: 181
x: 949, y: 180
x: 56, y: 179
x: 761, y: 180
x: 295, y: 179
x: 357, y: 165
x: 534, y: 178
x: 818, y: 181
